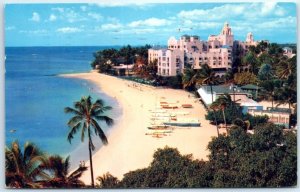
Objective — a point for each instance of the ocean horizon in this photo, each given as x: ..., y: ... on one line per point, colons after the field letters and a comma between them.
x: 35, y: 97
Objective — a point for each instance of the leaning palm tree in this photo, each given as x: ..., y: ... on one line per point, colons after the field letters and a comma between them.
x: 207, y: 77
x: 85, y: 118
x: 22, y: 169
x: 59, y: 176
x: 221, y: 103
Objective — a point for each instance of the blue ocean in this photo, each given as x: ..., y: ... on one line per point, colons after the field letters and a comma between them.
x: 35, y: 97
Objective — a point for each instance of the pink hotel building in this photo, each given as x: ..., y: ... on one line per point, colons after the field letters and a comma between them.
x: 217, y: 52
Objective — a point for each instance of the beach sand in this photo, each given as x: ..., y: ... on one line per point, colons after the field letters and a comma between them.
x: 129, y: 148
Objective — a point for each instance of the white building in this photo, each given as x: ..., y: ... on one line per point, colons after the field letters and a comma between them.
x: 287, y: 51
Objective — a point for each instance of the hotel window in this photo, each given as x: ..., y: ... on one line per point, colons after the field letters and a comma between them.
x: 205, y: 58
x: 164, y: 58
x: 200, y: 58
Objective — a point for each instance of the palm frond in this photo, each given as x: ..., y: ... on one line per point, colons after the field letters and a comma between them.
x: 72, y: 111
x: 84, y: 127
x: 99, y: 132
x: 74, y: 120
x: 77, y: 173
x: 109, y: 121
x: 73, y: 131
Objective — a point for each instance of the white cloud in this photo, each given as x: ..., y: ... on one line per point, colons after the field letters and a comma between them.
x: 35, y: 32
x: 111, y: 26
x: 109, y: 3
x: 95, y: 16
x: 69, y: 30
x: 152, y: 22
x: 228, y: 11
x: 268, y: 7
x: 280, y: 23
x: 52, y: 17
x: 35, y: 17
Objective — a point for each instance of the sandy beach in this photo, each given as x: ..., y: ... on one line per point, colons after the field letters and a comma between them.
x: 129, y: 147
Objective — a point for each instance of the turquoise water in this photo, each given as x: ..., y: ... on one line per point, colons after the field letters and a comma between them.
x: 35, y: 97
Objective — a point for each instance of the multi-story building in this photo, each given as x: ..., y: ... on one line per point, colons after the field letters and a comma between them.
x: 217, y: 52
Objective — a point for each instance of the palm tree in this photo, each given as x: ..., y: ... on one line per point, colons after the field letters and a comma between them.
x: 286, y: 95
x: 58, y: 171
x: 251, y: 60
x: 286, y: 67
x: 265, y: 72
x: 22, y: 169
x: 221, y: 103
x: 189, y: 78
x: 207, y: 76
x: 108, y: 181
x: 85, y: 117
x: 245, y: 125
x: 270, y: 89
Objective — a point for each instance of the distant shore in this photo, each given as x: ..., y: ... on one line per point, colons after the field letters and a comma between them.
x: 129, y: 147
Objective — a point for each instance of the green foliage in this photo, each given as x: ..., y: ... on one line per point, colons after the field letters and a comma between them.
x: 245, y: 78
x: 32, y: 168
x: 174, y: 82
x: 245, y: 160
x: 265, y: 72
x: 86, y: 116
x: 22, y: 168
x: 169, y: 169
x: 148, y: 70
x: 108, y: 181
x: 232, y: 112
x: 255, y: 120
x: 107, y: 58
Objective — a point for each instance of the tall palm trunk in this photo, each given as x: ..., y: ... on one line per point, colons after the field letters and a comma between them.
x: 216, y: 122
x: 211, y: 91
x: 225, y: 120
x: 212, y: 100
x: 91, y: 159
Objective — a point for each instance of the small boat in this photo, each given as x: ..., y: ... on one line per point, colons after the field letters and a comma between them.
x: 187, y: 105
x: 184, y: 123
x: 159, y: 127
x: 12, y: 130
x: 170, y: 107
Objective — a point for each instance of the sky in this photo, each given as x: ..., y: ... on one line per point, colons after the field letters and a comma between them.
x: 103, y: 24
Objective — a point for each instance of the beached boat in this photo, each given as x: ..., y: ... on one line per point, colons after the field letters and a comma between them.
x: 187, y: 105
x: 159, y: 127
x: 163, y: 115
x: 183, y: 123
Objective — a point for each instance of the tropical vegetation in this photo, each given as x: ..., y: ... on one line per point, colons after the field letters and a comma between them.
x: 85, y: 119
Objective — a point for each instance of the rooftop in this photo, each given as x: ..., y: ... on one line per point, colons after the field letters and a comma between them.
x: 223, y: 89
x: 250, y: 86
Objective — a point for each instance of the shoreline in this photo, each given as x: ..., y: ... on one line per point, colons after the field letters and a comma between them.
x: 129, y: 147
